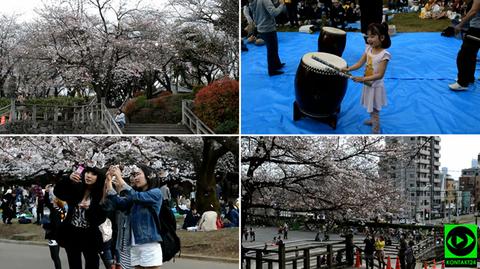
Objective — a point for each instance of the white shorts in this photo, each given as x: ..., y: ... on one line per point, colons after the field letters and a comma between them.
x: 146, y: 255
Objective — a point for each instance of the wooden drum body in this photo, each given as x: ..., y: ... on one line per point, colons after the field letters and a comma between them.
x: 319, y: 90
x: 332, y: 40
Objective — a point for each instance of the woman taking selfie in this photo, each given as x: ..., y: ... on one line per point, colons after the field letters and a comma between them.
x: 145, y: 251
x: 79, y: 233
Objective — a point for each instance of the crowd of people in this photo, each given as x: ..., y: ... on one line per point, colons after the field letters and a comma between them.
x: 21, y: 201
x: 436, y: 9
x: 107, y: 215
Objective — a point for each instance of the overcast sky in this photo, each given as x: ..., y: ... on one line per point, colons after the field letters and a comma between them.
x: 26, y: 7
x: 457, y: 152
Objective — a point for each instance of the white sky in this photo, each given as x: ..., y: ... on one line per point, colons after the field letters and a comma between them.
x: 26, y: 7
x: 457, y: 152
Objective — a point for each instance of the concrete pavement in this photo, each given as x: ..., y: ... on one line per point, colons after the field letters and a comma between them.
x: 21, y: 256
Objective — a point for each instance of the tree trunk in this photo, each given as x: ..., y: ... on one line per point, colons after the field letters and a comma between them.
x: 206, y: 191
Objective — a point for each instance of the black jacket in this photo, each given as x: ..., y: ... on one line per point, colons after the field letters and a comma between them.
x: 72, y: 193
x: 55, y: 219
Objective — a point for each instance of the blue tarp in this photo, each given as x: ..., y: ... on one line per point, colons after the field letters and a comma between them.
x: 416, y: 81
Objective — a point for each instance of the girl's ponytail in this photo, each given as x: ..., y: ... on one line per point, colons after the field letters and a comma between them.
x: 387, y: 42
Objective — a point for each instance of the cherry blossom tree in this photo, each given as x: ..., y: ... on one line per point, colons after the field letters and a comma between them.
x: 9, y: 37
x: 335, y: 176
x: 176, y: 159
x: 115, y: 47
x: 215, y: 151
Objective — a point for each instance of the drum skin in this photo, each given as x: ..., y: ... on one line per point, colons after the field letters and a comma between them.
x: 331, y: 42
x: 319, y: 94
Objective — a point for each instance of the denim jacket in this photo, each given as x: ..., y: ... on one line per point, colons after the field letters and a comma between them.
x: 141, y: 219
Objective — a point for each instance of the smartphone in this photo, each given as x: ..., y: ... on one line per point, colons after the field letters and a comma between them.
x: 79, y: 170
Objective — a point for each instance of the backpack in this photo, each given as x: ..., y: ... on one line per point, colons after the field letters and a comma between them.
x: 167, y: 226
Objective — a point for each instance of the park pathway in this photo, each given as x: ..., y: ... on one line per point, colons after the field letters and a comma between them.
x: 20, y: 256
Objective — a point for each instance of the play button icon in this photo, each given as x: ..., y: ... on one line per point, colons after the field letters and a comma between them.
x: 460, y: 241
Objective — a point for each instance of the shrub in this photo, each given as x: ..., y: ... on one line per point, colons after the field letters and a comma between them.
x: 217, y: 105
x: 130, y: 107
x: 138, y: 93
x: 164, y: 93
x: 142, y: 102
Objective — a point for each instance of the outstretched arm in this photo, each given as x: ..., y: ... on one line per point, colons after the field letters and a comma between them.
x: 359, y: 64
x: 382, y: 67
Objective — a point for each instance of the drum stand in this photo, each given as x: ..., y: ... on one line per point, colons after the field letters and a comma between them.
x: 331, y: 119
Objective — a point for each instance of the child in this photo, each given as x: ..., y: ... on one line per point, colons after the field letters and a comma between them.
x: 376, y: 59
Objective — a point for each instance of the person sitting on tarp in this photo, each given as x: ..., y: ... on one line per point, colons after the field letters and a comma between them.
x: 337, y: 15
x: 251, y: 29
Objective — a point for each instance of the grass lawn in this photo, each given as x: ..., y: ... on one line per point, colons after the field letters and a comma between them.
x: 410, y: 22
x: 222, y: 243
x: 404, y: 22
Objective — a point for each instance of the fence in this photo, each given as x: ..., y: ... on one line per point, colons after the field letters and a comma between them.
x: 192, y: 122
x: 78, y: 114
x: 308, y: 254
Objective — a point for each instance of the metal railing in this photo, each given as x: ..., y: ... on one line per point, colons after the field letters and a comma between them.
x: 79, y: 114
x: 108, y: 121
x: 191, y: 120
x: 306, y: 254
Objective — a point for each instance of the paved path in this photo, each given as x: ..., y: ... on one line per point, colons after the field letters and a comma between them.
x: 18, y: 256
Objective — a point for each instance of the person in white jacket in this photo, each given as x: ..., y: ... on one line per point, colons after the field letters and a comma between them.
x: 208, y: 222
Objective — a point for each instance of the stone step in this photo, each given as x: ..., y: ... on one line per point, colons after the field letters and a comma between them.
x: 136, y: 128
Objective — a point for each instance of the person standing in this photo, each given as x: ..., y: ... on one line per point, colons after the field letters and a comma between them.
x: 349, y: 247
x: 369, y: 250
x: 409, y: 256
x: 380, y: 252
x: 57, y: 215
x: 401, y: 251
x: 79, y: 233
x: 38, y: 195
x: 292, y: 12
x: 370, y: 12
x: 264, y: 13
x: 467, y: 56
x: 144, y: 238
x: 8, y: 206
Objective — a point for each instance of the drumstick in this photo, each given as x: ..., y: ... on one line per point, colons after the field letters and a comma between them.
x: 474, y: 38
x: 338, y: 70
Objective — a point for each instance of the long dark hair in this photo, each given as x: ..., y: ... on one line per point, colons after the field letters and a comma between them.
x: 150, y: 176
x: 380, y: 30
x: 97, y: 188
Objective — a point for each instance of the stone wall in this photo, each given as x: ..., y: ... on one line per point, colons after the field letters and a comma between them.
x: 52, y: 127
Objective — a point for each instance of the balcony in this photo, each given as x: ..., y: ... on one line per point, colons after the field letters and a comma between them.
x: 424, y: 152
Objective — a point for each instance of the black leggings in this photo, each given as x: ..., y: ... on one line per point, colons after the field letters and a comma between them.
x: 74, y: 255
x: 54, y: 253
